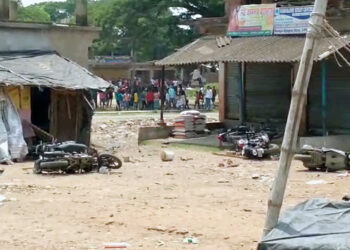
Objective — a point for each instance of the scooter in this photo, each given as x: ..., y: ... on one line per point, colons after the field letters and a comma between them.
x: 326, y: 159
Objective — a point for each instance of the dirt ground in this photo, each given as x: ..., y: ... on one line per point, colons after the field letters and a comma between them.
x: 148, y: 203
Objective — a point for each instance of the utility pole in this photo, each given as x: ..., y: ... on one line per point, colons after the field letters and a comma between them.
x: 296, y: 109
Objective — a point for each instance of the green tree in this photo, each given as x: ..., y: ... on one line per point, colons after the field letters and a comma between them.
x: 59, y: 11
x: 33, y: 14
x: 147, y: 27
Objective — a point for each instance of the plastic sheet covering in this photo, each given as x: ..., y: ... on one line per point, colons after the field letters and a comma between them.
x: 317, y: 224
x: 12, y: 144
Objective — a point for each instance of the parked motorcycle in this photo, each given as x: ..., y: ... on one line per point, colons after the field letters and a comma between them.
x: 325, y: 159
x: 71, y: 157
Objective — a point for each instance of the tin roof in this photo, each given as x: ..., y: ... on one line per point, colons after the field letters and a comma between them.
x: 268, y: 49
x: 46, y: 68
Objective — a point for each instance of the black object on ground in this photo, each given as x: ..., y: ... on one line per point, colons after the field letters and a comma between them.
x: 313, y: 225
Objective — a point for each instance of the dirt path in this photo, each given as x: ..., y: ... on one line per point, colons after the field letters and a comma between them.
x: 148, y: 203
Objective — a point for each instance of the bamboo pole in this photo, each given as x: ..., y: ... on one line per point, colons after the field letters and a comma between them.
x: 296, y: 109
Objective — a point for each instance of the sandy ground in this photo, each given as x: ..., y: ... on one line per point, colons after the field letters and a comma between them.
x: 148, y: 203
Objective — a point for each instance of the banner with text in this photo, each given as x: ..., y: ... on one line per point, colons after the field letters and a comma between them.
x: 292, y: 20
x: 252, y: 20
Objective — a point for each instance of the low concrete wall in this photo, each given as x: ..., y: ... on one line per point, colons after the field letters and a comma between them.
x: 151, y: 133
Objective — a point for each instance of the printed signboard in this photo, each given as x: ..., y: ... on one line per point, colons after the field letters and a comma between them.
x: 292, y: 20
x: 252, y: 20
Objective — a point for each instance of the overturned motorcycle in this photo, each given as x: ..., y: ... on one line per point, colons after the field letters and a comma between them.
x: 71, y: 157
x: 253, y: 145
x: 325, y: 159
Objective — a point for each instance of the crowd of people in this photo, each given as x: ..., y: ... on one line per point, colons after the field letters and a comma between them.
x: 138, y: 96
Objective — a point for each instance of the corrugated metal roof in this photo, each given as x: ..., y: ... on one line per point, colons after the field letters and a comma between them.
x: 268, y: 49
x: 46, y: 68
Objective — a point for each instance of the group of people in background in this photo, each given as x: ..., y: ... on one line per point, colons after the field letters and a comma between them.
x: 205, y: 98
x: 138, y: 96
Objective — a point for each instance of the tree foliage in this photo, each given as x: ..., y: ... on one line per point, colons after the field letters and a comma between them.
x: 147, y: 27
x: 59, y: 11
x: 33, y: 14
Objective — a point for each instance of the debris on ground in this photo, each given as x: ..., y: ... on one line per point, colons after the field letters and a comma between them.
x: 227, y: 163
x: 346, y: 198
x: 183, y: 158
x: 316, y: 182
x: 191, y: 241
x: 167, y: 155
x: 158, y: 229
x: 116, y: 245
x: 256, y: 176
x: 2, y: 198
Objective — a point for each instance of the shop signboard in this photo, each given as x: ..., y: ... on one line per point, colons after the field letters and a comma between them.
x: 292, y: 20
x: 252, y: 20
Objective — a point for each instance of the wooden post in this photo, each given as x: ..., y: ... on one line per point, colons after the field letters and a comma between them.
x: 222, y: 91
x: 324, y: 98
x: 162, y: 98
x: 242, y: 111
x: 294, y: 117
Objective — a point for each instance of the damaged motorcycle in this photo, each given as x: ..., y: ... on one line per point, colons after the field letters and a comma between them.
x: 251, y: 144
x: 325, y: 159
x: 71, y: 157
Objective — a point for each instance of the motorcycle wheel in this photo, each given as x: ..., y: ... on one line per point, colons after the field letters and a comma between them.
x: 109, y: 161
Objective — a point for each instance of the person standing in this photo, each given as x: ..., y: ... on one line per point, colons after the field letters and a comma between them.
x: 116, y: 90
x: 143, y: 99
x: 126, y: 101
x: 214, y: 96
x: 208, y: 98
x: 156, y: 99
x: 150, y: 99
x: 136, y: 100
x: 120, y: 98
x: 172, y: 97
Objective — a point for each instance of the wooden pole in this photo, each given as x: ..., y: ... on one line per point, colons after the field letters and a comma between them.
x: 162, y: 98
x: 296, y: 109
x: 324, y: 98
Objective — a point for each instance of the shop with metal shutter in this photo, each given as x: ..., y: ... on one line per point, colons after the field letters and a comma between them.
x: 329, y: 99
x: 233, y: 95
x: 267, y: 91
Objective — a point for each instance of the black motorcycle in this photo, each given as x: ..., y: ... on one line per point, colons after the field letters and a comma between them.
x: 254, y: 144
x: 71, y: 157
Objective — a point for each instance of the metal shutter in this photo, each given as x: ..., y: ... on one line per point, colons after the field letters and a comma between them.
x: 338, y: 101
x: 268, y: 91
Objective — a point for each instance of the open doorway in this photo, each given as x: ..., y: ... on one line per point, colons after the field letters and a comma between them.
x: 40, y: 103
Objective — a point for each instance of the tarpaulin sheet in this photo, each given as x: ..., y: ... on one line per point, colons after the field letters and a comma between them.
x: 317, y: 224
x: 12, y: 144
x: 47, y: 69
